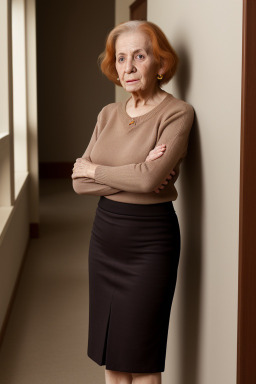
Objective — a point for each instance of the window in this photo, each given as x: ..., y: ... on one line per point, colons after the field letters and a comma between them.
x: 6, y: 164
x: 13, y: 107
x: 19, y: 93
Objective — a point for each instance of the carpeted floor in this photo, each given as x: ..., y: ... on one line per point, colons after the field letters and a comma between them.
x: 46, y: 338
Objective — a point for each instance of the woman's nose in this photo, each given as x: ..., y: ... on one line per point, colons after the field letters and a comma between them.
x: 129, y: 66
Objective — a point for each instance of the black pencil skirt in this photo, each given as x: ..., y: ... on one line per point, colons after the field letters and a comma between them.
x: 133, y: 260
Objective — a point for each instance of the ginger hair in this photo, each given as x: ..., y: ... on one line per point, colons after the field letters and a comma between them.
x: 163, y: 52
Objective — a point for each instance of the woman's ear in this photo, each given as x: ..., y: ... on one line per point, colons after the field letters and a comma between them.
x: 162, y: 67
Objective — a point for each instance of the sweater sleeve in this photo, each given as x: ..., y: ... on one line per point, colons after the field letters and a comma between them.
x: 86, y: 185
x: 144, y: 177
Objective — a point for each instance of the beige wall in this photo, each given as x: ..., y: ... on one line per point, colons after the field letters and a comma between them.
x: 71, y: 88
x: 203, y: 326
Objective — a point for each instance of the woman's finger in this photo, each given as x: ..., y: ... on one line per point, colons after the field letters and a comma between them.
x: 156, y: 154
x: 160, y: 148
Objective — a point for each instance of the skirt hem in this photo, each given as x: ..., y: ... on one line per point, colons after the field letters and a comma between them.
x: 112, y: 367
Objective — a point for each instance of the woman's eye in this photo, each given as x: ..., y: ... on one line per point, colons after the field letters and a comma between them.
x: 140, y: 56
x: 120, y: 59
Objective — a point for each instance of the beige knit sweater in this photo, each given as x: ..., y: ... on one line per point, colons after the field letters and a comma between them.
x: 120, y: 145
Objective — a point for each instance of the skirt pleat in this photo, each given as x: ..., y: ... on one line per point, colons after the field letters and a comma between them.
x: 133, y: 260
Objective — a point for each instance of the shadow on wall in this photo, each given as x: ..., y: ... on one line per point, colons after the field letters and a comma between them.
x: 191, y: 190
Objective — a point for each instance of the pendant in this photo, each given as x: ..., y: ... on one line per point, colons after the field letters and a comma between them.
x: 132, y: 122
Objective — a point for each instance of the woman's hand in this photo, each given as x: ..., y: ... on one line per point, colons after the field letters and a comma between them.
x: 83, y: 168
x: 155, y: 154
x: 165, y: 182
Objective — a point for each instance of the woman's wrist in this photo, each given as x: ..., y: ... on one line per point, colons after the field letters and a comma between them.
x: 90, y: 170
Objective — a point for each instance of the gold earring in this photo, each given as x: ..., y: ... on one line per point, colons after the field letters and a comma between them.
x: 159, y: 77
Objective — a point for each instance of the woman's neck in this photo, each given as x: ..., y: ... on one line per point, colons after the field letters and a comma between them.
x: 141, y: 99
x: 138, y: 105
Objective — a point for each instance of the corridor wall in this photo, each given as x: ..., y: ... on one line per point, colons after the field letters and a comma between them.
x: 207, y: 36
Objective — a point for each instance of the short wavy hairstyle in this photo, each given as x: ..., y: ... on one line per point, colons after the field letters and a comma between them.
x: 162, y: 49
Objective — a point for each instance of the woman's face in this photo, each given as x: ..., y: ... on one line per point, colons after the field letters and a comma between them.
x: 135, y: 62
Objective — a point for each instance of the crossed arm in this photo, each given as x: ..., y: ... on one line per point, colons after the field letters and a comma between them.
x: 151, y: 175
x: 84, y: 173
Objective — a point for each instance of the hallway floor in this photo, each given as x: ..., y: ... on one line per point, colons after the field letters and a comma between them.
x: 46, y: 337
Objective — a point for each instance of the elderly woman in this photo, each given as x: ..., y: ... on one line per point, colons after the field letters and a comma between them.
x: 132, y: 162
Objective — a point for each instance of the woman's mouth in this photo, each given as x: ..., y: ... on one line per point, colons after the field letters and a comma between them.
x: 131, y: 81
